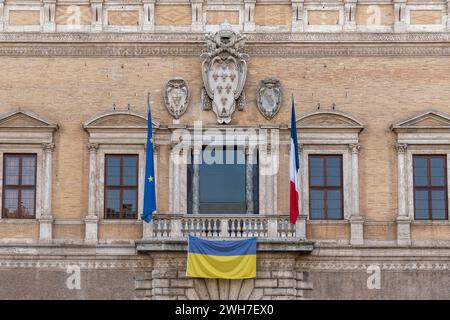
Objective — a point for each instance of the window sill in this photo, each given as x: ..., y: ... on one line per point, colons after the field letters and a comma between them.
x: 18, y: 221
x: 333, y: 222
x: 119, y: 221
x: 431, y: 222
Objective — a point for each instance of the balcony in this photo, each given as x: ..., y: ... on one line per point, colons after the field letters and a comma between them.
x: 274, y: 233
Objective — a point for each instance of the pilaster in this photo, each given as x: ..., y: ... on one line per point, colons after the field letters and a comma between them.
x: 356, y: 221
x: 96, y: 15
x: 91, y: 221
x: 350, y: 15
x: 46, y: 218
x: 197, y: 15
x: 403, y: 219
x: 249, y: 15
x: 400, y: 15
x: 49, y: 15
x: 2, y: 13
x: 149, y: 15
x: 297, y: 16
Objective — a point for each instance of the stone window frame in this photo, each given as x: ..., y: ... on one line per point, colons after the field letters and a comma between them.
x: 323, y: 28
x: 332, y: 132
x: 23, y: 7
x: 411, y: 151
x: 426, y: 27
x: 106, y: 136
x: 178, y: 172
x: 425, y: 133
x: 32, y: 134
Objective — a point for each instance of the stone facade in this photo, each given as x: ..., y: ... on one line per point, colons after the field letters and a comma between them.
x: 370, y: 81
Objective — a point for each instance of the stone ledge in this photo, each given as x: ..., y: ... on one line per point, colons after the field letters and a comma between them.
x: 263, y: 245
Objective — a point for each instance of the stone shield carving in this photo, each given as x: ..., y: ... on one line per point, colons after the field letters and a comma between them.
x: 176, y: 97
x: 224, y: 70
x: 268, y: 97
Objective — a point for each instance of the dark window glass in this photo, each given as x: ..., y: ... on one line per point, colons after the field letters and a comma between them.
x: 325, y: 187
x: 222, y: 181
x: 19, y: 186
x: 121, y: 186
x: 430, y: 187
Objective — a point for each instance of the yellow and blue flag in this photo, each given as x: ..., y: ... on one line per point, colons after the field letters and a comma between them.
x: 221, y: 259
x: 150, y: 182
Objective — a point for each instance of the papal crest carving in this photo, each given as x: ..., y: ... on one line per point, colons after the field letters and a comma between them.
x: 224, y: 70
x: 268, y: 97
x: 176, y: 97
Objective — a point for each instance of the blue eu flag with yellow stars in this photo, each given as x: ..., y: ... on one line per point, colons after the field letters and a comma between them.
x: 150, y: 187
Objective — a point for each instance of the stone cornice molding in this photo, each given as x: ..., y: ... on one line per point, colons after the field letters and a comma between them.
x: 258, y: 38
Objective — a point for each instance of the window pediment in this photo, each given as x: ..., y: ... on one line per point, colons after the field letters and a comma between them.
x: 430, y: 127
x: 328, y: 127
x: 118, y: 127
x: 24, y: 127
x: 427, y: 120
x: 25, y: 119
x: 119, y: 119
x: 328, y: 120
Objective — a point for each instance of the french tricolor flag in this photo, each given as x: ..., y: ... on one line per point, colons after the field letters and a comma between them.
x: 294, y: 169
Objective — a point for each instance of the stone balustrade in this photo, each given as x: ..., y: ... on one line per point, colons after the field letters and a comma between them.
x: 213, y: 226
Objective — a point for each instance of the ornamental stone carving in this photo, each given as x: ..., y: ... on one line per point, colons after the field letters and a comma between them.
x: 224, y: 70
x: 176, y: 97
x: 268, y: 97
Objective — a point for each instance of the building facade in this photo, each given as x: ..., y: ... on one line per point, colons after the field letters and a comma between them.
x: 370, y: 82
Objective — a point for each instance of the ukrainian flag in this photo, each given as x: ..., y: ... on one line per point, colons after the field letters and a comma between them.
x: 221, y: 259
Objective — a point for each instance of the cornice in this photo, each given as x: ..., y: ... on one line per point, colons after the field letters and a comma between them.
x: 199, y: 38
x: 193, y: 44
x: 145, y: 50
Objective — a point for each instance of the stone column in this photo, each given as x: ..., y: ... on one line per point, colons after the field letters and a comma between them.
x: 91, y: 221
x: 249, y: 15
x: 448, y: 15
x: 297, y: 16
x: 350, y: 15
x: 196, y: 179
x: 2, y: 13
x: 250, y: 160
x: 300, y: 225
x: 96, y: 15
x: 197, y: 15
x: 46, y: 218
x: 400, y: 15
x: 403, y: 219
x: 356, y: 221
x: 149, y: 15
x: 49, y: 15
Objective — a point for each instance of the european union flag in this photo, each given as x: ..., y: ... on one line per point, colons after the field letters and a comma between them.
x: 150, y: 187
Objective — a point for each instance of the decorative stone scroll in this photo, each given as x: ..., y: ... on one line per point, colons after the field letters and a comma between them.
x: 268, y: 97
x: 176, y: 97
x: 224, y: 70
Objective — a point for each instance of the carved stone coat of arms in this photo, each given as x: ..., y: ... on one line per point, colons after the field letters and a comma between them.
x: 268, y: 97
x: 224, y: 70
x: 176, y: 97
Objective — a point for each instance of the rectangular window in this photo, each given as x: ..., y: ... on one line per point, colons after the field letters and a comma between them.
x: 430, y: 187
x: 121, y: 186
x: 223, y: 182
x: 19, y: 186
x: 325, y: 187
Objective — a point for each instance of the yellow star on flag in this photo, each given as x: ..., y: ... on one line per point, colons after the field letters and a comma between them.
x: 150, y: 179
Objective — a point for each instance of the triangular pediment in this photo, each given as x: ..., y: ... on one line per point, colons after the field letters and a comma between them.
x: 430, y: 119
x: 119, y: 119
x: 25, y: 119
x: 328, y: 119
